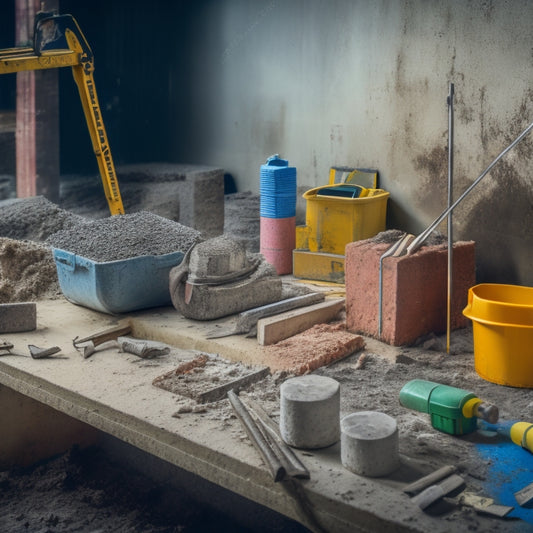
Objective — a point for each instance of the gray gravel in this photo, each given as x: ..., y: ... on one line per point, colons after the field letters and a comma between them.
x: 34, y: 219
x: 125, y: 236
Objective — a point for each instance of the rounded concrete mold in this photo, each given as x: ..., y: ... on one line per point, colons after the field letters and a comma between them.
x: 310, y: 411
x: 369, y: 443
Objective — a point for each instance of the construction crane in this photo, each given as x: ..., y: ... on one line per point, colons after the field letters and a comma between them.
x: 59, y: 42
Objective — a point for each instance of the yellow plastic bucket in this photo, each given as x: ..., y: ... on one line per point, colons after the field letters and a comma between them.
x: 502, y: 318
x: 333, y: 221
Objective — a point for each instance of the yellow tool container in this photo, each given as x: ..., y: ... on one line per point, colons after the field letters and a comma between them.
x: 336, y: 215
x: 333, y: 221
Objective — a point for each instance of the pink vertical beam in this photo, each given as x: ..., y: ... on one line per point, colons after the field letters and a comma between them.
x: 37, y: 130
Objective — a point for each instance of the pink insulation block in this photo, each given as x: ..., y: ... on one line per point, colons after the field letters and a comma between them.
x: 414, y: 301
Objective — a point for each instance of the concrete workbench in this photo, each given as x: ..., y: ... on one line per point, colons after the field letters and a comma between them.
x: 113, y: 392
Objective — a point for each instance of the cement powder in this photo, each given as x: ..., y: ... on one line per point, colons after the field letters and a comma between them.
x: 125, y: 236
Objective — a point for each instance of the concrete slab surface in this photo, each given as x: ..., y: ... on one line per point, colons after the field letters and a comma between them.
x: 113, y: 392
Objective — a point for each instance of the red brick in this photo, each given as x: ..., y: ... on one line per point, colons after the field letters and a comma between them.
x: 414, y: 298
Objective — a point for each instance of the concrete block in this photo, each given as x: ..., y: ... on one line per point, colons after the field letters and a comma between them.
x: 369, y: 443
x: 277, y: 328
x: 309, y: 411
x: 192, y: 195
x: 414, y: 299
x: 17, y: 317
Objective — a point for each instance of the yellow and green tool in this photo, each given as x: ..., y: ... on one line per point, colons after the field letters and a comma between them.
x: 452, y: 410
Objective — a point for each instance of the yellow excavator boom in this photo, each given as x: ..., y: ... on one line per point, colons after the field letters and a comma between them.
x: 59, y: 42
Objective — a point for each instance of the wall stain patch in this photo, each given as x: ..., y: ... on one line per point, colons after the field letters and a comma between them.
x: 433, y: 168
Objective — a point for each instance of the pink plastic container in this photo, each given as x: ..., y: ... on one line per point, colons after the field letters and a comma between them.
x: 277, y: 241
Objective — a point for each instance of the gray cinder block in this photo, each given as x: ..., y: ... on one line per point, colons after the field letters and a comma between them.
x: 17, y: 317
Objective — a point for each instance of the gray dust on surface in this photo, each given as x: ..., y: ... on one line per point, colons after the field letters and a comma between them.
x: 125, y: 236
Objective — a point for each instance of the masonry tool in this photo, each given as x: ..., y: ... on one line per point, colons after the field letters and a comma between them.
x: 42, y: 353
x: 5, y: 346
x: 452, y: 410
x: 246, y: 321
x: 92, y: 341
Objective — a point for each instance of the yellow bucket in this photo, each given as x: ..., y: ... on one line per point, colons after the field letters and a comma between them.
x: 502, y: 317
x: 333, y: 221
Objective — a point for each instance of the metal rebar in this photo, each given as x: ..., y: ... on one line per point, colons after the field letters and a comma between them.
x: 256, y: 436
x: 450, y: 221
x: 417, y: 243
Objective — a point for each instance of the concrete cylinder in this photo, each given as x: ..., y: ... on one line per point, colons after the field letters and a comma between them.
x: 310, y: 411
x: 369, y: 443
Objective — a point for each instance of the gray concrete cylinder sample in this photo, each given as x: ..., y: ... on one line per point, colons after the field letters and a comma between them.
x: 310, y: 411
x: 369, y: 443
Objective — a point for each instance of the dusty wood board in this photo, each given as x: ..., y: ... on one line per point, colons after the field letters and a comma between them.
x: 277, y: 328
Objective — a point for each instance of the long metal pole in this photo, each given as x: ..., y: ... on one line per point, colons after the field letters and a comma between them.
x: 450, y: 221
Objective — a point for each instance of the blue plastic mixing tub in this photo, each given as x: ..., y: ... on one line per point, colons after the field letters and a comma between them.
x: 116, y: 286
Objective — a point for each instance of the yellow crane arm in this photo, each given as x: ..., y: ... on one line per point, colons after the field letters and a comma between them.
x: 59, y: 42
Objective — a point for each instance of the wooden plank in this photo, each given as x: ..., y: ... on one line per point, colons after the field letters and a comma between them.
x: 274, y: 329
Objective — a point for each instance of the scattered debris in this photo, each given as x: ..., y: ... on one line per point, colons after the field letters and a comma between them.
x: 6, y: 347
x: 42, y: 353
x: 360, y: 362
x: 524, y: 496
x: 194, y: 379
x: 483, y: 505
x: 143, y: 348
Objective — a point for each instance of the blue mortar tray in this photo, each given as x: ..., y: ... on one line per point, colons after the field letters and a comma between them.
x: 116, y: 287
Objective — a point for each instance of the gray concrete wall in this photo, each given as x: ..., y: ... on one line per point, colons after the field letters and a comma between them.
x: 364, y: 83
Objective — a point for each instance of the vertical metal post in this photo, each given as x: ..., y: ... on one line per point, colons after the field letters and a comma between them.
x: 450, y: 224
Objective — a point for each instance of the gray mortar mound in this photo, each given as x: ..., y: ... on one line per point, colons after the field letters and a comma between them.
x: 35, y: 219
x: 125, y: 236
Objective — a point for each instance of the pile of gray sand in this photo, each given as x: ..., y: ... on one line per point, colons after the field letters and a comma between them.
x: 125, y: 236
x: 27, y: 272
x: 35, y: 219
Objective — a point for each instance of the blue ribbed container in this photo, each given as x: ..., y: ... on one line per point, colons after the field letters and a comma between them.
x: 277, y: 189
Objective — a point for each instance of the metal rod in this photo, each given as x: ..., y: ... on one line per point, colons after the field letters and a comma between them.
x: 417, y: 243
x: 257, y: 437
x: 450, y: 221
x: 293, y: 466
